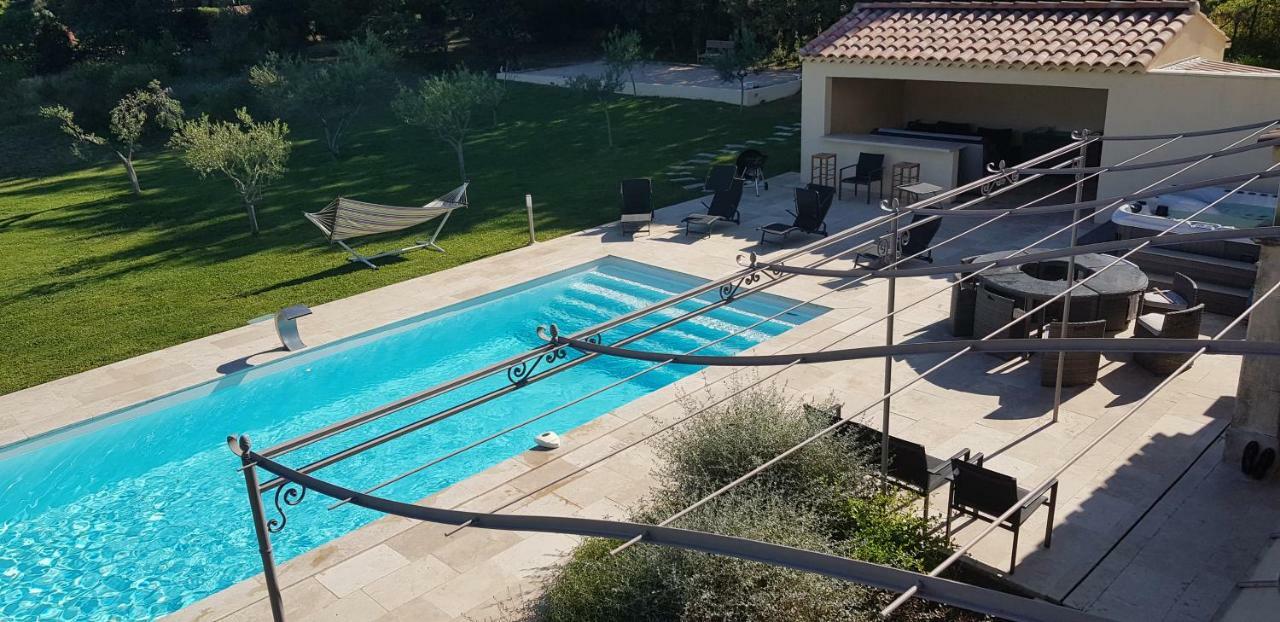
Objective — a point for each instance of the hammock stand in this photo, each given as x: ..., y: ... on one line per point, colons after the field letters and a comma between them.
x: 344, y: 219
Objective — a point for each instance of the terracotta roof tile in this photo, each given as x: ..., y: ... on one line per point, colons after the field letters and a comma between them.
x: 1086, y: 34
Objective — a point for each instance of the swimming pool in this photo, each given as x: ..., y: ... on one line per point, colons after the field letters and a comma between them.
x: 142, y: 512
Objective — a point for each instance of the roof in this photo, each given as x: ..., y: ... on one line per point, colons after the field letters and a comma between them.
x: 1070, y: 35
x: 1199, y: 65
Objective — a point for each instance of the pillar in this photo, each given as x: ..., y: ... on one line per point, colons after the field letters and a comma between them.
x: 1257, y: 408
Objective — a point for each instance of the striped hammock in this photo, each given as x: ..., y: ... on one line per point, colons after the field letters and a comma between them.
x: 344, y: 218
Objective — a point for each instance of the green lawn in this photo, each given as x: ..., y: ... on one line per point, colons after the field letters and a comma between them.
x: 93, y: 275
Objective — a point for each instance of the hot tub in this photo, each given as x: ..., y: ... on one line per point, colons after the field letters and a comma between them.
x: 1238, y: 211
x: 1241, y: 210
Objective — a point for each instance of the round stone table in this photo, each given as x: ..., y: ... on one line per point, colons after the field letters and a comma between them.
x: 1112, y: 295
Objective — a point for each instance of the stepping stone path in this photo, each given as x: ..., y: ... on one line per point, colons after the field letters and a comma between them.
x: 685, y: 171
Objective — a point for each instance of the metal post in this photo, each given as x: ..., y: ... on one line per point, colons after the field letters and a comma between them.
x: 1071, y: 273
x: 891, y: 257
x: 528, y: 210
x: 240, y: 447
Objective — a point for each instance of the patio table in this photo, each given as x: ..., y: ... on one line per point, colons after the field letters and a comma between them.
x: 1112, y: 295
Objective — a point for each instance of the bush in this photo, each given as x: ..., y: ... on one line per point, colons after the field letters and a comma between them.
x: 822, y: 498
x: 732, y: 438
x: 875, y: 529
x: 660, y: 583
x: 91, y: 89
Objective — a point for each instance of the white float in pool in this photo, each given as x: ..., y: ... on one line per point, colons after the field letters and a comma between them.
x: 547, y: 440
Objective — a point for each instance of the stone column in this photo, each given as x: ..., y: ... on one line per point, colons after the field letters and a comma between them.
x: 1257, y: 409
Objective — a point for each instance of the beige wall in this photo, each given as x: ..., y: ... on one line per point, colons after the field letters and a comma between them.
x: 1136, y: 104
x: 1017, y: 106
x: 1199, y: 37
x: 859, y: 106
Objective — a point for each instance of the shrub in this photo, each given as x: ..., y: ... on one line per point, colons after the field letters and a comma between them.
x: 877, y: 530
x: 660, y: 583
x: 821, y: 498
x: 744, y: 432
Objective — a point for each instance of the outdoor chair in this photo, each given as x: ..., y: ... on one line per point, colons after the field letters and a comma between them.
x: 812, y: 205
x: 750, y: 167
x: 992, y: 311
x: 723, y: 208
x: 912, y: 239
x: 985, y: 494
x: 1183, y: 295
x: 869, y: 168
x: 637, y: 205
x: 964, y: 295
x: 1077, y: 367
x: 910, y: 466
x: 1184, y: 324
x: 720, y: 177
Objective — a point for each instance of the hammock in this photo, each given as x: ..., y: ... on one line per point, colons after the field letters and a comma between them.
x: 344, y: 219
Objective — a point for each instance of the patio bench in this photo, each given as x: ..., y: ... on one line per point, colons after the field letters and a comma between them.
x: 715, y: 48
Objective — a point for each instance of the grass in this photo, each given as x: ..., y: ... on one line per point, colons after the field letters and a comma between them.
x: 93, y: 275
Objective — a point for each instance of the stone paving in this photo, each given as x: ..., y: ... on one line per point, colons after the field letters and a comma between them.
x: 1148, y: 522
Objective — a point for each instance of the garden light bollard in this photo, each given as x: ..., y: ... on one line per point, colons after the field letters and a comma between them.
x: 528, y: 210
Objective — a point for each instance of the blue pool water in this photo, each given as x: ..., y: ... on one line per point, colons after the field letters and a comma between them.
x: 142, y: 512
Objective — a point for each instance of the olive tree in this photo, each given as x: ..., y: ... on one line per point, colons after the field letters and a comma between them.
x: 333, y: 92
x: 444, y: 104
x: 602, y: 88
x: 622, y: 51
x: 743, y: 60
x: 129, y: 121
x: 249, y: 153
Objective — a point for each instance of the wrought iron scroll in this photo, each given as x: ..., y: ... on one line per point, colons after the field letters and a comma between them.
x: 520, y: 373
x: 288, y: 495
x: 1006, y: 177
x: 729, y: 290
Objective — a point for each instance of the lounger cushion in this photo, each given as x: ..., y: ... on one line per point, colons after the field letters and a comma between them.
x: 1152, y: 322
x: 779, y: 228
x: 1164, y: 299
x: 702, y: 219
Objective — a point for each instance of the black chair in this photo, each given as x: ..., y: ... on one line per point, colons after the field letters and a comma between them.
x: 910, y: 466
x: 750, y: 167
x: 720, y: 177
x: 812, y: 205
x: 723, y: 208
x: 637, y: 205
x: 869, y: 168
x: 911, y: 240
x: 985, y: 494
x: 1183, y: 295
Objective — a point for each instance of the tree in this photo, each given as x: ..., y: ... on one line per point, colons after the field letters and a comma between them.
x: 129, y: 121
x: 602, y: 88
x: 249, y: 153
x: 740, y: 62
x: 332, y: 92
x: 622, y: 51
x: 444, y: 104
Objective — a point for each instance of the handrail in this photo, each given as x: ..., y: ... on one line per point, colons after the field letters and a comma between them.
x: 1071, y: 344
x: 1262, y: 144
x: 1117, y: 201
x: 1017, y: 260
x: 421, y: 396
x: 1196, y: 134
x: 937, y: 589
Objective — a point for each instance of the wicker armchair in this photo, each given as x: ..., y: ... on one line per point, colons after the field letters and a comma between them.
x: 1077, y: 367
x: 1183, y: 295
x: 1184, y: 324
x: 990, y: 312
